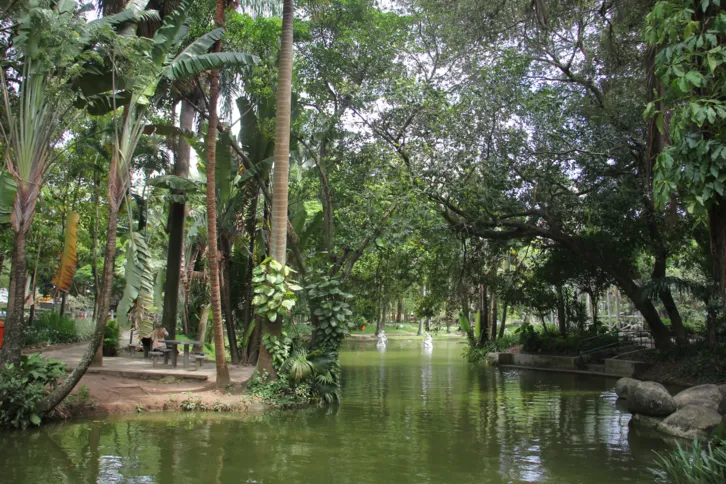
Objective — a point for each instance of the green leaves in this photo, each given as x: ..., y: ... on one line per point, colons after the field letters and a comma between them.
x: 139, y: 291
x: 193, y: 66
x: 273, y: 291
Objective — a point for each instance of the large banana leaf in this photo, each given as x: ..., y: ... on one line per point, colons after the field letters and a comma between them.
x: 64, y: 276
x: 174, y: 182
x: 135, y: 12
x: 201, y: 45
x: 249, y: 133
x: 139, y: 291
x: 169, y: 34
x: 8, y: 189
x: 193, y: 66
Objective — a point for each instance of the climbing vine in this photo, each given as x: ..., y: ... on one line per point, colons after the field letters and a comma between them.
x: 274, y: 292
x: 330, y: 312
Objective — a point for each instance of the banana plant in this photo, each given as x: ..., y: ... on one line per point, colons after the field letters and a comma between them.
x: 139, y: 88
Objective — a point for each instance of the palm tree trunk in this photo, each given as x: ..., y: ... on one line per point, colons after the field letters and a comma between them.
x: 212, y: 256
x: 280, y: 180
x: 177, y: 215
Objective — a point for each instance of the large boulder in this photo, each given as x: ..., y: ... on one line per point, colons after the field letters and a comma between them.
x: 722, y: 388
x: 623, y: 386
x: 708, y: 396
x: 722, y: 406
x: 650, y: 398
x: 690, y: 422
x: 645, y: 421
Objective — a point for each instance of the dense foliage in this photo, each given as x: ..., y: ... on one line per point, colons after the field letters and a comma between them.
x: 23, y: 386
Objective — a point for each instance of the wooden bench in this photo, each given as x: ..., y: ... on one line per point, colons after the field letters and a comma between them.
x: 198, y: 360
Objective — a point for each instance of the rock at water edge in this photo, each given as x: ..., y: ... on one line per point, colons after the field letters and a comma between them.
x: 650, y: 398
x: 690, y: 422
x: 623, y: 386
x: 708, y: 396
x: 645, y: 421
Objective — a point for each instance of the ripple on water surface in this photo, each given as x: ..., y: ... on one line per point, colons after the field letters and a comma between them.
x: 407, y: 417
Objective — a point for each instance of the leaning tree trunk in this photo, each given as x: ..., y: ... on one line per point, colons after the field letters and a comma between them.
x: 202, y: 329
x: 212, y: 256
x: 62, y: 390
x: 177, y: 216
x: 282, y: 168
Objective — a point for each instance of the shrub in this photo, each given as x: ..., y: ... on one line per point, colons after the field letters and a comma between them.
x: 111, y: 337
x: 51, y: 328
x: 553, y: 343
x: 701, y: 464
x: 23, y: 386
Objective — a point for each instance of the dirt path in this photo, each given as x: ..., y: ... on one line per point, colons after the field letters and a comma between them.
x: 127, y: 384
x: 99, y: 394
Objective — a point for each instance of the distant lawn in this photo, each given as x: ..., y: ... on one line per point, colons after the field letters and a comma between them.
x: 406, y: 330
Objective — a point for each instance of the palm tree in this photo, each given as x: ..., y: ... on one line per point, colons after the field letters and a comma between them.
x: 280, y: 179
x: 32, y: 125
x: 128, y: 128
x: 212, y: 256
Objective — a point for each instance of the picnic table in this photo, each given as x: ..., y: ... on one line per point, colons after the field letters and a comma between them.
x: 173, y: 343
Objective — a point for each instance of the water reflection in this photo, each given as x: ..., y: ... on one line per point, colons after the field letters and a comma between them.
x: 408, y: 416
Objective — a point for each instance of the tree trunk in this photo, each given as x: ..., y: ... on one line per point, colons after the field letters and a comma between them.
x: 420, y: 327
x: 264, y: 363
x: 282, y: 167
x: 717, y: 230
x: 14, y: 324
x: 64, y: 297
x: 212, y: 256
x: 227, y: 297
x: 484, y: 316
x: 177, y: 216
x: 594, y: 308
x: 94, y: 242
x: 202, y: 329
x: 561, y: 312
x: 62, y: 390
x: 504, y: 319
x: 493, y: 316
x: 399, y: 311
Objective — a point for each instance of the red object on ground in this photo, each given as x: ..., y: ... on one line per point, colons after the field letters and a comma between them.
x: 2, y: 332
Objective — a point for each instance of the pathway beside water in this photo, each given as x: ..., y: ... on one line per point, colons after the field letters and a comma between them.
x: 407, y: 417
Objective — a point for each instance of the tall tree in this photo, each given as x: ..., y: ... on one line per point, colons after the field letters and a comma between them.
x: 212, y: 256
x: 280, y: 181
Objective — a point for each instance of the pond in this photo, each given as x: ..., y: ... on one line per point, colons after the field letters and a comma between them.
x: 407, y: 416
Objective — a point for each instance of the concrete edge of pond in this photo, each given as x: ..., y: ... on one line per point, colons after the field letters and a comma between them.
x: 570, y: 364
x: 563, y: 370
x: 148, y: 374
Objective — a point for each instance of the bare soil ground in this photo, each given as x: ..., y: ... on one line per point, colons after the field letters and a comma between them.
x: 100, y: 394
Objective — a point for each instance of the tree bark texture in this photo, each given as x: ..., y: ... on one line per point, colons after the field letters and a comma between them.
x: 177, y: 216
x: 212, y: 256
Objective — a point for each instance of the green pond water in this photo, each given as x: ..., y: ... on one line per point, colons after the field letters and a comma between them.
x: 406, y: 417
